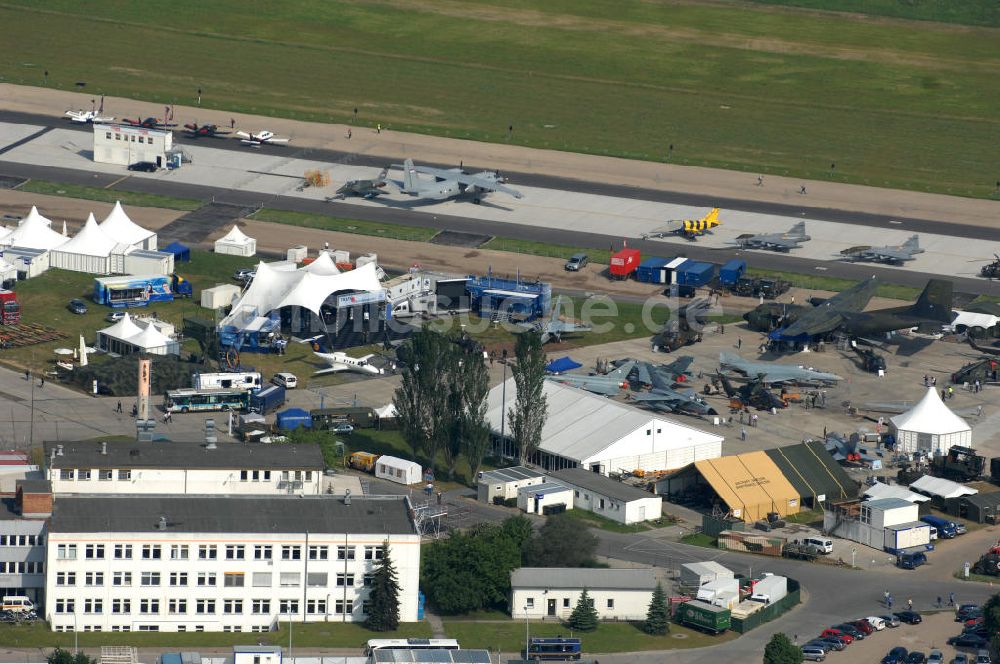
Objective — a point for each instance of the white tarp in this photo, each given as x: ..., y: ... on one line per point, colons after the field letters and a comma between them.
x: 119, y: 226
x: 34, y: 232
x: 938, y: 486
x: 236, y: 243
x: 386, y: 412
x: 89, y: 251
x: 879, y: 490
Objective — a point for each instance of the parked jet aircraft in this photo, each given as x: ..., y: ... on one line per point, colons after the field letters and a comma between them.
x: 689, y: 228
x: 755, y: 394
x: 769, y: 372
x: 676, y: 372
x: 608, y: 384
x: 208, y: 131
x: 664, y: 397
x: 88, y: 117
x: 451, y: 183
x: 364, y: 188
x: 892, y: 254
x: 343, y: 362
x: 148, y: 123
x: 554, y: 326
x: 803, y: 323
x: 782, y: 242
x: 262, y: 137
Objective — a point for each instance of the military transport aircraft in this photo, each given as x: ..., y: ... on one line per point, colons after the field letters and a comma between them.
x: 608, y: 384
x: 769, y: 372
x: 363, y: 188
x: 205, y: 131
x: 782, y: 242
x: 803, y: 322
x: 451, y: 183
x: 688, y: 228
x: 891, y: 254
x: 262, y: 137
x: 555, y: 325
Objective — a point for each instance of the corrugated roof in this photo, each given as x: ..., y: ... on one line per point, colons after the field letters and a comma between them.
x: 576, y: 577
x: 189, y: 455
x: 512, y: 474
x: 813, y: 472
x: 601, y: 485
x: 981, y: 500
x: 708, y: 567
x: 888, y: 503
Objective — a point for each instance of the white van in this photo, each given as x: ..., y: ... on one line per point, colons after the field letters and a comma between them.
x: 934, y: 533
x: 286, y: 380
x: 823, y: 544
x: 17, y: 604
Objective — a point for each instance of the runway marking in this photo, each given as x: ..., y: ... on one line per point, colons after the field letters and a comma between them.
x: 121, y: 179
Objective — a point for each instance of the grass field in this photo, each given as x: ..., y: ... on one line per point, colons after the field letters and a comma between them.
x: 966, y: 12
x: 341, y: 225
x: 110, y: 195
x: 734, y: 85
x: 834, y: 284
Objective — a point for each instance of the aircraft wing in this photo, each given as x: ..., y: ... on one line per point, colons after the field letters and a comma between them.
x: 599, y: 386
x: 334, y: 368
x: 655, y: 397
x: 488, y: 184
x: 887, y: 254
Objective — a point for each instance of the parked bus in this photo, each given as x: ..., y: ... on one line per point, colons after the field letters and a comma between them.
x: 553, y: 648
x: 187, y: 400
x: 410, y: 644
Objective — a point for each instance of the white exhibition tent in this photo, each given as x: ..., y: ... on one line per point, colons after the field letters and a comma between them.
x: 879, y: 490
x: 34, y: 232
x: 930, y: 427
x: 126, y: 337
x: 119, y: 226
x: 400, y: 471
x: 324, y: 264
x: 236, y: 243
x: 89, y: 251
x: 941, y: 488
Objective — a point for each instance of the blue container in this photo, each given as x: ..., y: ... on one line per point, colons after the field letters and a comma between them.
x: 732, y: 272
x: 420, y: 605
x: 267, y: 399
x: 650, y: 271
x: 293, y: 418
x: 694, y: 273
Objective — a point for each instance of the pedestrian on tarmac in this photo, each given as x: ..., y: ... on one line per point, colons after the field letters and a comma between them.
x: 743, y: 433
x: 909, y: 603
x: 951, y: 599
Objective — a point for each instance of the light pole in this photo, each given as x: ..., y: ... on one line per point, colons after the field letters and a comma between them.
x: 854, y: 553
x: 527, y: 637
x: 76, y: 633
x: 290, y: 635
x: 503, y: 404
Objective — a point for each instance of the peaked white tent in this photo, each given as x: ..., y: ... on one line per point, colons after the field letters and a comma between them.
x: 126, y: 337
x: 151, y: 340
x: 930, y: 427
x: 119, y: 226
x: 89, y: 251
x: 34, y: 232
x: 236, y: 243
x: 323, y: 264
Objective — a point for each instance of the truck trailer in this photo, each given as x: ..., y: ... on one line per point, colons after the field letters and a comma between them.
x: 704, y: 616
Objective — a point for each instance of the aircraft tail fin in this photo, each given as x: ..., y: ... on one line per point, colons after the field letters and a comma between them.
x: 913, y: 244
x: 711, y: 219
x: 798, y: 230
x: 409, y: 175
x: 727, y: 387
x: 934, y: 302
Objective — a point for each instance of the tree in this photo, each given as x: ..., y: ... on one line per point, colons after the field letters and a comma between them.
x: 421, y: 404
x: 781, y: 650
x: 519, y: 530
x: 383, y: 598
x: 656, y: 616
x: 527, y: 415
x: 561, y: 542
x: 991, y: 618
x: 60, y: 656
x: 584, y: 617
x: 468, y: 385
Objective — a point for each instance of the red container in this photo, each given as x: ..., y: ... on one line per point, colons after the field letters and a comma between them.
x: 624, y: 263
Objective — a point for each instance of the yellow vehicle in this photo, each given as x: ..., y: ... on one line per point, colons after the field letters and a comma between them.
x: 363, y: 461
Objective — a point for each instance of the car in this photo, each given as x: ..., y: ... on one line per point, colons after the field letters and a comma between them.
x: 821, y: 644
x: 342, y: 427
x: 976, y: 629
x: 576, y: 262
x: 960, y: 658
x: 864, y: 626
x: 890, y: 621
x: 843, y: 636
x: 813, y: 653
x: 848, y: 628
x: 115, y: 316
x: 286, y: 380
x: 983, y: 657
x: 935, y: 657
x: 245, y: 274
x: 972, y: 641
x: 967, y: 611
x: 909, y: 617
x: 916, y: 657
x: 834, y: 642
x: 77, y: 306
x: 144, y: 166
x: 877, y: 623
x: 896, y: 656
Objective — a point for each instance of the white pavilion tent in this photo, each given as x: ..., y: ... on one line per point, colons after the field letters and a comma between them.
x: 89, y: 251
x: 236, y: 243
x: 930, y: 427
x: 323, y: 264
x: 34, y: 232
x: 119, y: 226
x: 126, y: 337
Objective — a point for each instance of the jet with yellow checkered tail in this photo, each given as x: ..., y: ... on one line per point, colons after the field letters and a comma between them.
x: 688, y: 228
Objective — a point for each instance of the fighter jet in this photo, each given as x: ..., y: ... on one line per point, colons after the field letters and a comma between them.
x: 674, y: 373
x: 608, y: 384
x: 339, y: 362
x: 688, y: 228
x: 148, y: 123
x: 782, y: 242
x: 363, y: 188
x: 88, y: 117
x: 755, y: 394
x: 771, y: 373
x: 260, y: 138
x: 828, y: 315
x: 555, y: 325
x: 450, y: 183
x: 664, y: 397
x: 890, y: 254
x: 205, y: 131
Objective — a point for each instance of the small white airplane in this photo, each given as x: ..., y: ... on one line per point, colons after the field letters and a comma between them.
x: 87, y: 117
x: 260, y: 138
x: 343, y: 362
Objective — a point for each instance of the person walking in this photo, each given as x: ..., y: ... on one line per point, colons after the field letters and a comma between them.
x: 743, y: 433
x: 739, y: 343
x: 885, y: 597
x: 951, y: 599
x: 888, y: 602
x: 951, y: 391
x: 41, y: 382
x: 753, y: 420
x: 760, y: 180
x: 909, y: 603
x: 119, y: 409
x: 27, y: 374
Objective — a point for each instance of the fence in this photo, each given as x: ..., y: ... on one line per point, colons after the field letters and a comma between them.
x: 769, y: 612
x: 748, y: 542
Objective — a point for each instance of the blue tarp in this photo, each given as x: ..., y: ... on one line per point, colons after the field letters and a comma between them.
x: 562, y: 365
x: 182, y: 254
x: 294, y: 418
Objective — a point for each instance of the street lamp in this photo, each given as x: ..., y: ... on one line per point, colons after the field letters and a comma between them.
x: 290, y: 616
x: 854, y: 553
x: 503, y: 405
x: 76, y: 633
x: 527, y: 638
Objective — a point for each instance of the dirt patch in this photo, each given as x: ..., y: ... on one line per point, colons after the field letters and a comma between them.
x: 460, y: 239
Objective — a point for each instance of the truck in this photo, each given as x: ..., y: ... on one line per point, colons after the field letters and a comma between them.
x: 946, y: 529
x: 358, y: 416
x: 704, y: 616
x: 770, y: 589
x: 961, y: 464
x: 133, y: 291
x: 181, y: 286
x: 10, y: 308
x: 364, y: 461
x: 732, y: 272
x: 267, y: 399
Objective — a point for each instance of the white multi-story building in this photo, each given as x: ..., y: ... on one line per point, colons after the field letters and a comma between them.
x: 123, y: 144
x: 231, y: 564
x: 183, y: 468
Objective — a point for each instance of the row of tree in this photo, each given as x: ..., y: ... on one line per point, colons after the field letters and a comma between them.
x: 441, y: 400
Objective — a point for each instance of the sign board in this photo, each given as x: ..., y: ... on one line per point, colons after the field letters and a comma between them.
x: 355, y: 299
x: 143, y: 396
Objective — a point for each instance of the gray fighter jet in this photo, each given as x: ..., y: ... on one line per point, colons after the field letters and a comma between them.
x: 451, y: 183
x: 609, y: 384
x: 893, y: 254
x: 770, y: 372
x: 782, y: 242
x: 364, y: 188
x: 554, y: 326
x: 664, y: 397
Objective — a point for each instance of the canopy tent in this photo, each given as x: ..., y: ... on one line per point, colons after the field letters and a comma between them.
x: 34, y: 232
x: 562, y: 365
x: 119, y: 226
x: 880, y: 490
x: 386, y: 412
x: 400, y: 471
x: 930, y: 427
x: 89, y: 251
x: 324, y: 264
x: 938, y: 487
x: 182, y: 254
x: 235, y: 243
x: 126, y: 337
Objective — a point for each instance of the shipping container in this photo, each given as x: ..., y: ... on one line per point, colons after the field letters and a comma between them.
x: 358, y: 416
x: 693, y: 273
x: 704, y: 616
x: 268, y: 399
x: 624, y: 263
x: 650, y: 271
x: 732, y: 271
x: 671, y: 268
x: 770, y: 589
x: 293, y: 418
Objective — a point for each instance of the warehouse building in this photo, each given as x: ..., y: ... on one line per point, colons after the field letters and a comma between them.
x: 609, y: 498
x: 598, y: 434
x: 546, y: 592
x: 125, y: 145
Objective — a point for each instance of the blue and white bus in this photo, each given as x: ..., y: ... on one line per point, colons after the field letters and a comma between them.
x: 189, y: 400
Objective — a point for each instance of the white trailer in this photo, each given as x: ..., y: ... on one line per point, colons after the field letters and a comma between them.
x: 240, y: 380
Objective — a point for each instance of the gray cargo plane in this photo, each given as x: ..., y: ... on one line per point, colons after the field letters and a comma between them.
x: 770, y: 372
x: 782, y: 242
x: 451, y: 183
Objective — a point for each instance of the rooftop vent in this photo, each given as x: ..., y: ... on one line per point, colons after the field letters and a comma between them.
x: 104, y: 448
x: 59, y: 450
x: 162, y: 523
x: 347, y: 497
x: 133, y: 453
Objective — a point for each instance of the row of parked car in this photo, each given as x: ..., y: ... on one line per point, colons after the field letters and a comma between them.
x: 840, y: 636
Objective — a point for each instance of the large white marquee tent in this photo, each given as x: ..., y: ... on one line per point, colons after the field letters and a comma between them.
x: 128, y: 336
x: 119, y: 226
x: 930, y: 427
x: 89, y: 251
x: 34, y: 232
x: 236, y: 243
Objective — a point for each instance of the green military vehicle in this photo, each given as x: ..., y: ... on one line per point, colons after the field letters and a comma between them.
x: 704, y: 616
